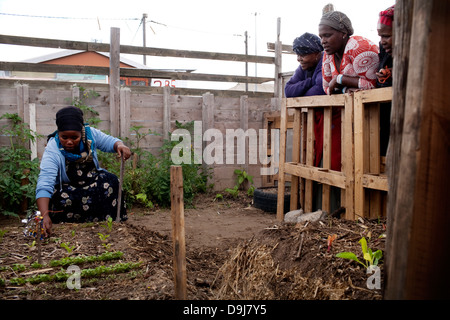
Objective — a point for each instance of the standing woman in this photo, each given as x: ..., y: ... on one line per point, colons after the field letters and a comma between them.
x: 384, y: 74
x: 71, y: 186
x: 350, y: 62
x: 307, y: 79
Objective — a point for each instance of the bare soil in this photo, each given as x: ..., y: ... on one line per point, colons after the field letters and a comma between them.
x: 233, y: 251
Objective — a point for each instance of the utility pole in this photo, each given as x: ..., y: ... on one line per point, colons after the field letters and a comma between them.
x: 144, y: 16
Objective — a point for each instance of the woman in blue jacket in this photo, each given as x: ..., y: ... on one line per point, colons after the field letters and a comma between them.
x: 72, y: 187
x: 307, y: 79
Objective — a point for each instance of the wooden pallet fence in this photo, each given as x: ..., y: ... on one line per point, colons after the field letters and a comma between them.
x: 371, y: 183
x: 361, y: 176
x: 272, y: 121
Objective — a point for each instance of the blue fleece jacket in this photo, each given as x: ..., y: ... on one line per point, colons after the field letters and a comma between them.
x: 53, y: 164
x: 302, y: 83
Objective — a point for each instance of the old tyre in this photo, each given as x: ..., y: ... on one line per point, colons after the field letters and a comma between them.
x: 266, y: 199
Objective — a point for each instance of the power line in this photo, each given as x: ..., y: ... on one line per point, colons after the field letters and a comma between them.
x: 66, y: 18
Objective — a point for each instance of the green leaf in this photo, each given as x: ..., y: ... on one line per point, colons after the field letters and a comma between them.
x: 349, y: 255
x: 363, y: 243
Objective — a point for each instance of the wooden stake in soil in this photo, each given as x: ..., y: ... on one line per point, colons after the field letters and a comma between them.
x: 178, y: 236
x: 119, y: 198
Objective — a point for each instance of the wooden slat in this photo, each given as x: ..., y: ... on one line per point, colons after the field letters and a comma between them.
x: 375, y: 182
x: 104, y: 47
x: 128, y: 72
x: 316, y: 101
x: 281, y: 165
x: 334, y: 178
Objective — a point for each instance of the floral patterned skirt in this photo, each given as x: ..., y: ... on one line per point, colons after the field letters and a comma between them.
x: 91, y: 196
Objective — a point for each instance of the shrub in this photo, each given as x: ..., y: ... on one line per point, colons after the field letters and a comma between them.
x: 18, y: 173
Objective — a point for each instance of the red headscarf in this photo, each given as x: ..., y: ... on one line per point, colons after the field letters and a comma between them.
x: 387, y: 16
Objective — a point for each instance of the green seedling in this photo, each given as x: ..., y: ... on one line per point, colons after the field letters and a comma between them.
x: 32, y: 245
x: 2, y: 233
x: 67, y: 247
x: 218, y: 196
x: 103, y: 237
x: 370, y: 258
x: 109, y: 223
x: 234, y: 192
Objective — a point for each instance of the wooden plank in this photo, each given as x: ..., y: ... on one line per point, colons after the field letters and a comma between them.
x: 295, y: 158
x: 114, y: 81
x: 326, y: 156
x: 374, y: 157
x: 281, y: 164
x: 309, y: 160
x: 376, y: 95
x: 166, y: 113
x: 129, y: 72
x: 348, y: 157
x: 125, y: 113
x: 329, y: 177
x: 375, y: 182
x: 359, y: 154
x: 337, y: 100
x: 104, y: 47
x: 178, y: 232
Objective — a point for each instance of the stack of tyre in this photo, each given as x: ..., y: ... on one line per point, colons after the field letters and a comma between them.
x: 266, y: 199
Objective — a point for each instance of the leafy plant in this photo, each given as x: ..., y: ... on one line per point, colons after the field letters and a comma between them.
x: 242, y: 179
x: 147, y: 180
x: 370, y: 258
x: 108, y: 224
x: 18, y: 172
x: 66, y: 245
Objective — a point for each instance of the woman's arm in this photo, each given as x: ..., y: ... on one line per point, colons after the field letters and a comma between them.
x: 42, y: 204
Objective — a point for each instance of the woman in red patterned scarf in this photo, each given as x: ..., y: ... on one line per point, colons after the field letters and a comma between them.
x: 350, y: 62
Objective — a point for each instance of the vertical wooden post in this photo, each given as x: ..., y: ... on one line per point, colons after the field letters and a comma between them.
x: 166, y: 112
x: 309, y: 160
x: 125, y: 112
x: 295, y: 180
x: 244, y: 126
x: 348, y: 153
x: 326, y: 158
x: 416, y: 263
x: 208, y: 110
x: 278, y: 89
x: 114, y: 81
x: 178, y: 235
x: 282, y: 160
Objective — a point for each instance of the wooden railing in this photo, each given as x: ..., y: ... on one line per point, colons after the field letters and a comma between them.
x: 361, y: 175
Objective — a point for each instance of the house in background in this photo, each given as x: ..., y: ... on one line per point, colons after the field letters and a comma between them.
x: 88, y: 58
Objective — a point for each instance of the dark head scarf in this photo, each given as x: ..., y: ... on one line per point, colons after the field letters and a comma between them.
x: 307, y: 43
x: 69, y: 119
x: 338, y: 21
x: 386, y: 17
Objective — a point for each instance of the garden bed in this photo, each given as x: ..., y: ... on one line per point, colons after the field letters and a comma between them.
x: 234, y: 251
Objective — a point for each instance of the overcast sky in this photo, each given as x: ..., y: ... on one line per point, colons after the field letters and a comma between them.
x: 202, y: 25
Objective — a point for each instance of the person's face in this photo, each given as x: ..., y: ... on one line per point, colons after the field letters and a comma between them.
x: 385, y: 33
x: 332, y: 40
x: 70, y: 140
x: 308, y: 61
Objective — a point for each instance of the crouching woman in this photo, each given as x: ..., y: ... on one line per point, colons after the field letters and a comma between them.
x: 72, y: 187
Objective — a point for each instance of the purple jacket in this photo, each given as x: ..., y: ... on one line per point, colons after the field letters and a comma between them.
x: 305, y: 83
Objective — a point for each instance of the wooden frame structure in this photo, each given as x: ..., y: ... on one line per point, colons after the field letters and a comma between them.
x: 361, y: 162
